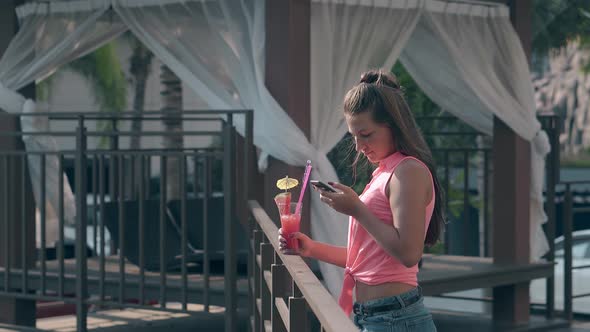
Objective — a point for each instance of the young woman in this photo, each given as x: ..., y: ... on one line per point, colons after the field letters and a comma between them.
x: 399, y: 212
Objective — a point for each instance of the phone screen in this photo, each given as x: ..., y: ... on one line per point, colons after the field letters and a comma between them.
x: 323, y: 186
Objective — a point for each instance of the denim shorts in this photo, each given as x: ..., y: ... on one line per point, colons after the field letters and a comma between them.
x: 400, y: 313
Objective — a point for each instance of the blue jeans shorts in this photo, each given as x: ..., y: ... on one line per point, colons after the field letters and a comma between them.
x: 400, y: 313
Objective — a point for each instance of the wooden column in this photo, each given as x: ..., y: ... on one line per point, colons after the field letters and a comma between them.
x: 512, y: 167
x: 13, y: 311
x: 288, y: 80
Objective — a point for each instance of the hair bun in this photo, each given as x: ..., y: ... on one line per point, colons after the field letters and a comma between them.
x: 380, y: 77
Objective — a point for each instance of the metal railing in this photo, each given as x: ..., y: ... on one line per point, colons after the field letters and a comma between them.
x: 113, y: 185
x: 460, y: 153
x: 552, y: 126
x: 283, y: 289
x: 466, y: 171
x: 568, y: 268
x: 444, y: 156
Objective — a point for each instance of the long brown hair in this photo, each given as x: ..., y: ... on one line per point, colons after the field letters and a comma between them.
x: 379, y: 93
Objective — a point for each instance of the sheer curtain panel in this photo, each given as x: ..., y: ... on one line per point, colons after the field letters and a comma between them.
x: 472, y: 64
x: 50, y: 34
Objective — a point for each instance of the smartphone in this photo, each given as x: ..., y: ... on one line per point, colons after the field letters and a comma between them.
x: 323, y: 186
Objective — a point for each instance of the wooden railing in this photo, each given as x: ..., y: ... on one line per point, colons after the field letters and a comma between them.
x: 285, y: 294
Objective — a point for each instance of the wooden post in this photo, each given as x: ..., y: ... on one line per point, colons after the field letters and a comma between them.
x: 288, y: 80
x: 512, y: 167
x: 14, y: 311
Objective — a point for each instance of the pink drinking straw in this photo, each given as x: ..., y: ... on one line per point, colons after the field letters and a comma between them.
x: 303, y: 186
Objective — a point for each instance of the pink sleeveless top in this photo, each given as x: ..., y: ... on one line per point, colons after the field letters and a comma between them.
x: 366, y: 261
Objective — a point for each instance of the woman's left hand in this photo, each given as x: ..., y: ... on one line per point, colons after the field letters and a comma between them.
x: 346, y: 201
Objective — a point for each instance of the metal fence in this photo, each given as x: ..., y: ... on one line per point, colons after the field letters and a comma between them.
x: 464, y: 160
x: 149, y: 245
x: 463, y: 157
x: 570, y: 209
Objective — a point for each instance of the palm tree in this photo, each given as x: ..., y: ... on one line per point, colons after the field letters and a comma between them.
x: 140, y: 64
x: 102, y: 69
x: 172, y: 109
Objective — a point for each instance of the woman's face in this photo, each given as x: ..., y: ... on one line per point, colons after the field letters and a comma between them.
x: 372, y: 139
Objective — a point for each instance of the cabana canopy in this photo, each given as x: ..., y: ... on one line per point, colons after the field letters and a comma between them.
x: 465, y: 56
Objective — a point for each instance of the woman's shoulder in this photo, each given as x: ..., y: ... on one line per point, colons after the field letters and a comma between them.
x: 411, y: 164
x: 411, y: 169
x: 412, y: 177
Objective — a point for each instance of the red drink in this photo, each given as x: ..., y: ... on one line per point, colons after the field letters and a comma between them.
x: 283, y: 201
x: 289, y: 221
x: 290, y: 224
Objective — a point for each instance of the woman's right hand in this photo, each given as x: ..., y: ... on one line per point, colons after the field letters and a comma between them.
x: 305, y: 244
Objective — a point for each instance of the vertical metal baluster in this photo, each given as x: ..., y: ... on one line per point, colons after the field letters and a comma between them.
x: 466, y: 209
x: 101, y: 189
x: 141, y: 221
x: 113, y: 176
x: 122, y: 243
x: 567, y: 246
x: 486, y: 212
x: 247, y: 178
x: 551, y: 177
x: 448, y: 197
x: 81, y: 268
x: 206, y: 195
x: 43, y: 223
x: 6, y: 227
x: 60, y: 206
x: 163, y: 231
x: 131, y: 189
x: 148, y: 174
x: 24, y: 227
x: 248, y: 152
x: 94, y: 206
x: 183, y: 228
x: 229, y: 240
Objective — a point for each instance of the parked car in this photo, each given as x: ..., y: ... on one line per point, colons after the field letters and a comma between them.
x: 580, y: 277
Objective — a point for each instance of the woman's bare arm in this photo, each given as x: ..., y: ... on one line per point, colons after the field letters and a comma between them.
x: 329, y: 253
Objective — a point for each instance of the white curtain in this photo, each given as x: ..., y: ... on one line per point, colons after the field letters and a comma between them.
x: 433, y: 69
x: 347, y: 39
x: 217, y: 48
x: 50, y: 35
x: 469, y: 60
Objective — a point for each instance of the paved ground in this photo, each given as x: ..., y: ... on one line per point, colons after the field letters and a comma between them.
x: 454, y: 321
x: 160, y: 321
x: 138, y: 320
x: 578, y: 326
